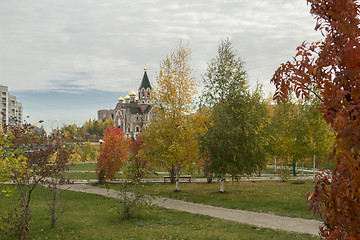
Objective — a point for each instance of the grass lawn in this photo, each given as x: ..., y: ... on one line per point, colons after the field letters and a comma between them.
x: 194, y: 174
x: 84, y: 167
x: 91, y: 175
x: 95, y: 217
x: 281, y: 198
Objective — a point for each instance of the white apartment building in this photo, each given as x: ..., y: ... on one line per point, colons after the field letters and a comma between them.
x: 19, y: 112
x: 11, y: 109
x: 4, y: 104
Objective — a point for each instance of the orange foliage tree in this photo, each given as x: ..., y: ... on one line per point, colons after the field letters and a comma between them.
x: 138, y: 164
x: 330, y: 69
x: 112, y: 154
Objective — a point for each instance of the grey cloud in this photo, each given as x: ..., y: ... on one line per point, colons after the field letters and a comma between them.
x: 113, y: 40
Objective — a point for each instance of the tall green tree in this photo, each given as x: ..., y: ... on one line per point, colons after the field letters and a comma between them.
x: 318, y: 136
x: 233, y: 140
x: 282, y: 132
x: 226, y: 76
x: 301, y: 145
x: 170, y: 138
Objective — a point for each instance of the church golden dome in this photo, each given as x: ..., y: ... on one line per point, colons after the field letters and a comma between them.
x: 120, y: 99
x: 137, y: 99
x: 132, y: 93
x: 127, y: 98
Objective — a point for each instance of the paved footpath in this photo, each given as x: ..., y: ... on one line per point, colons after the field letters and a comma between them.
x: 264, y: 220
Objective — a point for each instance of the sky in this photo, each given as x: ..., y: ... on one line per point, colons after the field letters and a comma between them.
x: 64, y: 60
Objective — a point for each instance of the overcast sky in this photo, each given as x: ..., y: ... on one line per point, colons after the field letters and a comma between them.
x: 66, y: 59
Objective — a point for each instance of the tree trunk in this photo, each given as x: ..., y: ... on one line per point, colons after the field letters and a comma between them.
x: 314, y: 166
x: 282, y: 170
x: 125, y: 201
x: 294, y: 168
x: 209, y: 178
x: 222, y: 184
x: 172, y: 174
x: 302, y: 170
x: 275, y: 164
x: 177, y: 188
x: 53, y: 209
x: 23, y: 226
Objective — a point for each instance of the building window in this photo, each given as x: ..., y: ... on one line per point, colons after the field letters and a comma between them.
x: 137, y: 129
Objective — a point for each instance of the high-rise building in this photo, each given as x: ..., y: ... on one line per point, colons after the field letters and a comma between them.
x: 11, y: 109
x: 19, y: 113
x: 4, y: 104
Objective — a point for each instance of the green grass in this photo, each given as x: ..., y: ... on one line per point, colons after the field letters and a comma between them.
x: 281, y: 198
x: 84, y: 167
x: 91, y: 175
x: 194, y: 174
x: 94, y: 217
x: 326, y: 166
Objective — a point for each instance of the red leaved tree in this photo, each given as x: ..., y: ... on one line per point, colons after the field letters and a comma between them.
x: 113, y: 153
x: 139, y: 165
x: 330, y: 69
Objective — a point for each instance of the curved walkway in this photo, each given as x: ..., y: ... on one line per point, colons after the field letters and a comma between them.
x: 264, y: 220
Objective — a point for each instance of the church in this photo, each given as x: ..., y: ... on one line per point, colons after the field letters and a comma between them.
x: 133, y: 112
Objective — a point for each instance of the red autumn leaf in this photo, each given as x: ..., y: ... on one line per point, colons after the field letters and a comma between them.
x: 333, y: 66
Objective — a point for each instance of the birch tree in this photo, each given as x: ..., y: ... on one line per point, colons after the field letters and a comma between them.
x: 238, y: 117
x: 170, y: 138
x: 283, y: 137
x: 318, y: 137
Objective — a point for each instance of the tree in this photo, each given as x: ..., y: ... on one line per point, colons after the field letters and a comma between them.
x: 112, y: 154
x: 138, y: 165
x: 170, y: 138
x: 31, y: 154
x: 9, y: 162
x: 233, y: 139
x: 282, y: 132
x: 60, y: 161
x: 318, y: 138
x: 330, y: 70
x: 91, y: 129
x: 201, y: 120
x: 87, y: 152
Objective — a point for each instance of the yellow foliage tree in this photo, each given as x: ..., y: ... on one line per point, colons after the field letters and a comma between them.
x: 9, y: 162
x: 170, y: 138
